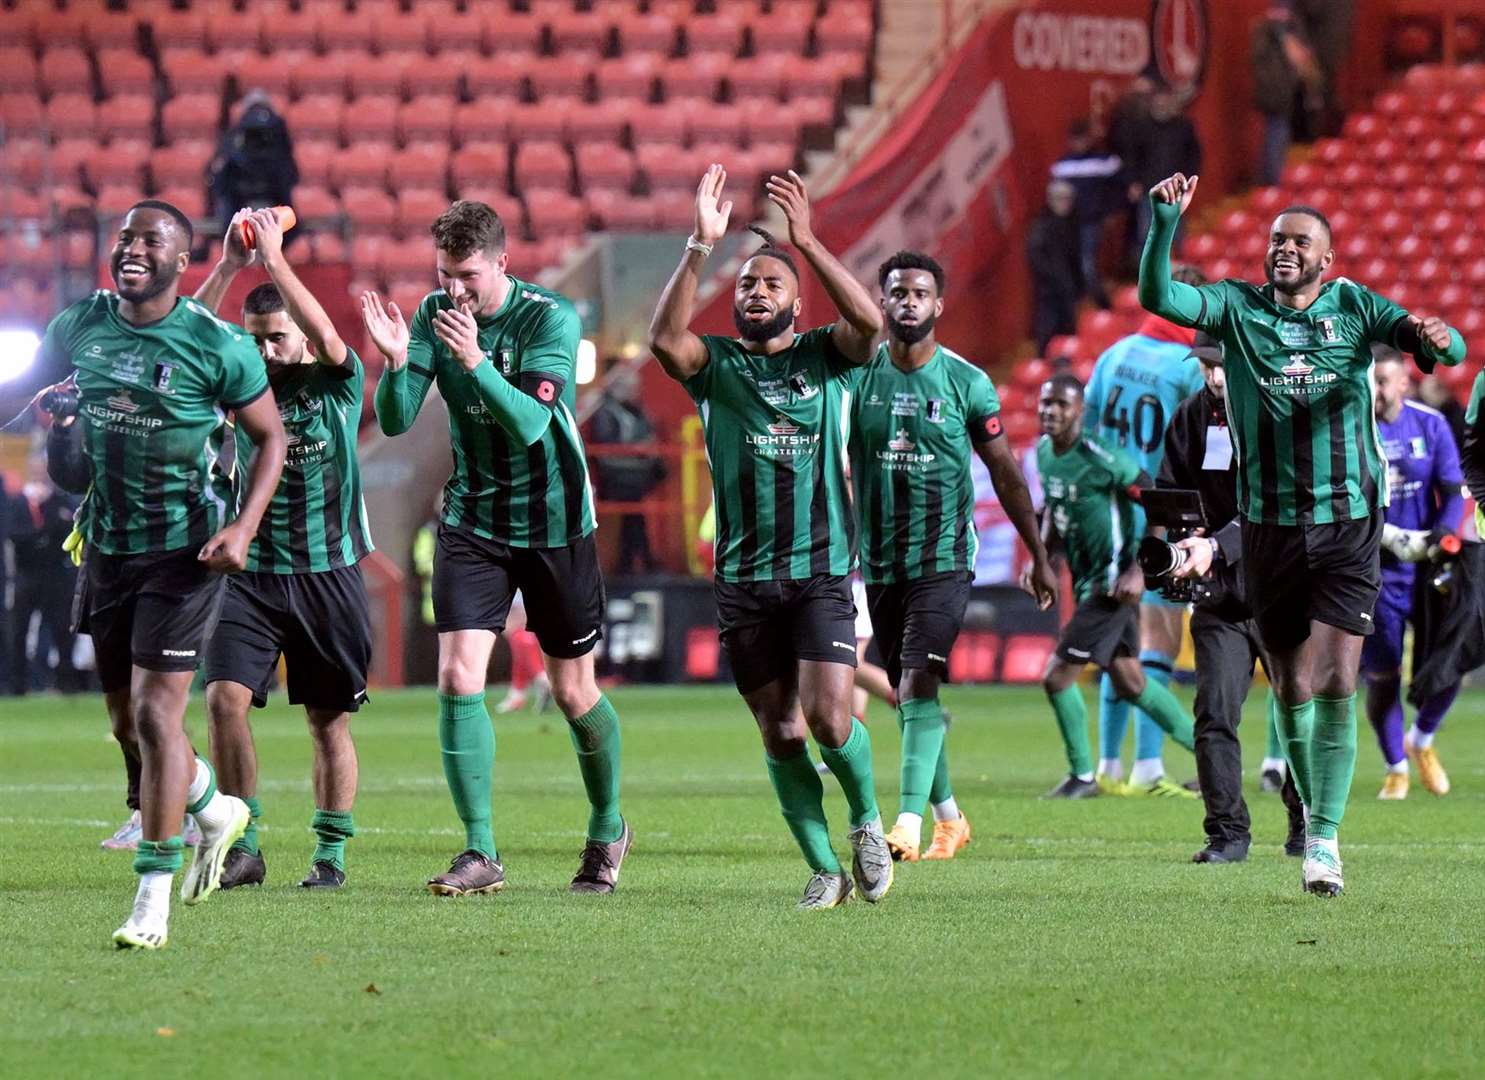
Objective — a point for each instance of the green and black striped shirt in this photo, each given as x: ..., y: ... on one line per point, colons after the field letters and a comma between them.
x: 912, y: 434
x: 154, y: 404
x: 776, y: 429
x: 316, y: 520
x: 520, y: 474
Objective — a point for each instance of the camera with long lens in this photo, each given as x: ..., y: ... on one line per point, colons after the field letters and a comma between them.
x: 1181, y: 514
x: 60, y: 402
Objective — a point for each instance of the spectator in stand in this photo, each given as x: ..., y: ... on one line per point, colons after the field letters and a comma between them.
x: 1161, y: 143
x: 40, y: 520
x: 254, y: 166
x: 1053, y: 251
x: 1327, y: 25
x: 620, y: 421
x: 1099, y: 186
x: 1433, y: 393
x: 1287, y: 86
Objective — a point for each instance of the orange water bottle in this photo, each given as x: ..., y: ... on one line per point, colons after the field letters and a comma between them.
x: 286, y: 221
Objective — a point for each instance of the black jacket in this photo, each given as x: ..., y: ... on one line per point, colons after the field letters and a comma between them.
x: 1472, y: 456
x: 1451, y: 626
x: 1052, y: 253
x: 1185, y: 451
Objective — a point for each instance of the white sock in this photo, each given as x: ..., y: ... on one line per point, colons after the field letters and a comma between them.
x: 1274, y: 764
x: 948, y: 810
x: 152, y: 901
x: 1399, y: 767
x: 1147, y: 771
x: 1111, y: 767
x: 218, y: 810
x: 1420, y: 740
x: 1086, y: 777
x: 912, y: 824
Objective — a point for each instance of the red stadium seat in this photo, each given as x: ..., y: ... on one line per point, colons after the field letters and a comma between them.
x: 129, y: 116
x: 297, y: 31
x: 1384, y: 151
x: 370, y: 251
x: 458, y: 33
x: 501, y: 76
x: 762, y: 77
x: 652, y: 33
x: 1031, y: 373
x: 396, y: 31
x: 408, y: 260
x: 629, y: 76
x: 18, y: 71
x: 480, y: 165
x: 18, y: 29
x: 114, y: 199
x: 1362, y: 127
x: 555, y: 213
x: 721, y: 34
x: 559, y: 77
x: 314, y: 202
x: 715, y: 123
x: 173, y: 29
x: 119, y: 163
x: 124, y: 71
x: 328, y: 247
x: 329, y: 75
x: 435, y: 78
x: 361, y: 165
x: 370, y: 118
x: 67, y: 156
x: 620, y: 211
x: 369, y: 208
x: 582, y: 32
x: 61, y: 29
x: 542, y: 165
x: 274, y: 73
x: 694, y: 77
x: 541, y: 121
x: 71, y: 116
x: 417, y: 209
x: 190, y: 71
x: 604, y: 166
x: 1025, y: 658
x: 658, y: 124
x: 844, y: 34
x: 27, y: 159
x: 484, y: 120
x: 1355, y: 174
x: 1304, y: 175
x: 974, y: 657
x: 229, y: 29
x: 429, y: 118
x: 668, y: 168
x: 191, y: 200
x: 1202, y: 247
x: 814, y: 111
x: 605, y: 120
x: 65, y: 71
x: 422, y: 165
x: 384, y: 77
x: 1333, y: 152
x: 318, y: 117
x: 767, y: 122
x: 506, y: 32
x: 773, y: 157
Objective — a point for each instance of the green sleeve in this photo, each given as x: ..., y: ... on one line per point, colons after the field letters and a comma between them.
x: 399, y: 394
x: 243, y: 375
x: 54, y: 357
x: 548, y: 367
x: 699, y: 386
x: 1182, y: 304
x: 344, y: 384
x: 983, y: 411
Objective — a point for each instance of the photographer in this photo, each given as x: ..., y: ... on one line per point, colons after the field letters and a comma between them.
x: 1199, y: 456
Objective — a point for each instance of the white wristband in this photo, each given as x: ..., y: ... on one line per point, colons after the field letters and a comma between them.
x: 693, y: 244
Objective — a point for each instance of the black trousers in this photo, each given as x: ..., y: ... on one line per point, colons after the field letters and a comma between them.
x: 1226, y: 651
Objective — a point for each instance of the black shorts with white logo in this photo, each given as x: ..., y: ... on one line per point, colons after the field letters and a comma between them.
x: 154, y: 611
x: 1100, y: 631
x: 915, y: 623
x: 767, y: 627
x: 474, y: 580
x: 321, y: 625
x: 1298, y: 574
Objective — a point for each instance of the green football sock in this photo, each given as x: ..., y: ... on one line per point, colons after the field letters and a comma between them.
x: 1162, y: 707
x: 332, y: 828
x: 851, y: 764
x: 1296, y: 726
x: 1332, y: 763
x: 922, y: 724
x: 802, y: 800
x: 249, y: 841
x: 1072, y: 721
x: 941, y: 790
x: 595, y: 737
x: 468, y: 742
x: 159, y: 856
x: 1274, y: 750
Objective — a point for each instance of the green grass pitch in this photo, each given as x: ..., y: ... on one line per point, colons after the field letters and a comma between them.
x: 1069, y: 939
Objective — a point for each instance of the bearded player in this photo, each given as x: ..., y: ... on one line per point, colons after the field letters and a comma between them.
x: 1312, y: 479
x: 918, y: 414
x: 517, y: 514
x: 301, y: 597
x: 156, y: 375
x: 775, y: 405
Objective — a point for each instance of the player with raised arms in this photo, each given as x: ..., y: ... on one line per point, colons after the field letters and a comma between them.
x: 301, y: 596
x: 918, y: 414
x: 1312, y: 478
x: 517, y: 514
x: 775, y: 406
x: 156, y: 376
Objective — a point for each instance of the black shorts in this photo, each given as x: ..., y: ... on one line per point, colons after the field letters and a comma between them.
x: 1298, y: 574
x: 915, y: 623
x: 767, y: 627
x: 154, y: 611
x: 474, y: 580
x: 1100, y: 631
x: 320, y: 624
